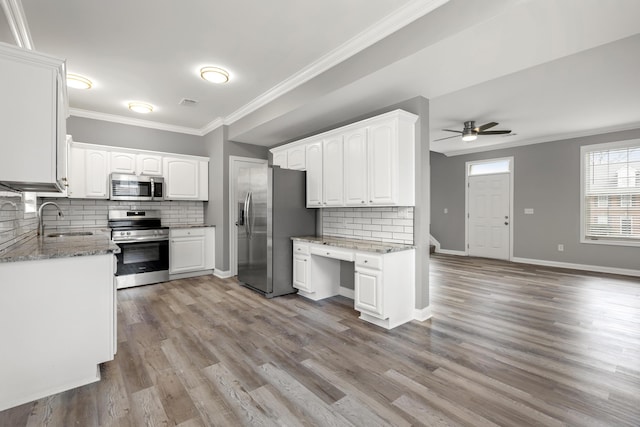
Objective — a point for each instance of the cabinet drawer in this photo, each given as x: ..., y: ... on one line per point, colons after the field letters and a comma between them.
x: 331, y: 252
x: 369, y: 261
x: 300, y: 249
x: 188, y: 232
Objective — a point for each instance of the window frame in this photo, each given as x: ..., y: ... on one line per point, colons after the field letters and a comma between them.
x: 584, y: 149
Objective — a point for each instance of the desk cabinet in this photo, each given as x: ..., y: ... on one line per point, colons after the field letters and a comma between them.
x: 384, y: 291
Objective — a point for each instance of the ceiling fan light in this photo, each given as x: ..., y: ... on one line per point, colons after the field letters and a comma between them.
x: 77, y: 81
x: 469, y: 135
x: 214, y: 74
x: 140, y: 107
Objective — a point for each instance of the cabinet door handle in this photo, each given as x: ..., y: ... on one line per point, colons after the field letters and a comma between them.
x: 365, y: 261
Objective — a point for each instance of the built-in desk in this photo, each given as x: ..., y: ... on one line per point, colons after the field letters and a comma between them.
x: 384, y: 279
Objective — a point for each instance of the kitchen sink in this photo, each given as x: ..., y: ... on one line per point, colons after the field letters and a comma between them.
x: 71, y: 233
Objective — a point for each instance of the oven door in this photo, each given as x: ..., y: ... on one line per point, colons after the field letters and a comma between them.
x: 142, y: 263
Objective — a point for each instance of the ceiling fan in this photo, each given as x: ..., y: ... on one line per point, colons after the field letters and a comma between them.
x: 471, y: 131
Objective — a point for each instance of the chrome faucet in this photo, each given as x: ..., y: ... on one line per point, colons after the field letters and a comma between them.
x: 41, y: 220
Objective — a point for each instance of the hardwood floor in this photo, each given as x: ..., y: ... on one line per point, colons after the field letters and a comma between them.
x: 509, y: 344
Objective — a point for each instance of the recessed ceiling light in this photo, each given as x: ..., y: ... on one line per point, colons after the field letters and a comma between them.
x: 214, y: 74
x: 77, y: 81
x: 140, y: 107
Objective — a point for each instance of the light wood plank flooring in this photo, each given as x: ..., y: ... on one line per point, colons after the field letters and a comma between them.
x: 509, y: 344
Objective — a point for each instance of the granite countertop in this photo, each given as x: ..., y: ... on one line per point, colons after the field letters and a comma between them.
x: 178, y: 226
x: 355, y: 244
x: 38, y: 248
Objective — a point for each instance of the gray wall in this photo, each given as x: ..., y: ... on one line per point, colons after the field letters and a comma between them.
x: 118, y: 135
x: 547, y: 179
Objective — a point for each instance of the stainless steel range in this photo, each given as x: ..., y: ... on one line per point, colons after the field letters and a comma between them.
x: 144, y: 247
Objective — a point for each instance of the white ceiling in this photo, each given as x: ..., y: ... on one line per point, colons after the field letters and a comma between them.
x: 544, y: 68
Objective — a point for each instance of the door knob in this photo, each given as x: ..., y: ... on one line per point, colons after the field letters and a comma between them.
x: 506, y: 217
x: 506, y: 223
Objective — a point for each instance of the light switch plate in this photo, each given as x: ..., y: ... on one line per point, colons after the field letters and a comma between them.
x: 528, y: 211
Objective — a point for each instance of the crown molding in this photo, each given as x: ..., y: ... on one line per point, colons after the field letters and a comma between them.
x: 388, y: 25
x: 17, y: 21
x: 133, y: 122
x: 212, y: 125
x: 540, y: 140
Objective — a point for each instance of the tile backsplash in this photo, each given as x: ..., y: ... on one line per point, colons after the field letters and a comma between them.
x: 393, y: 225
x: 81, y: 213
x: 15, y: 224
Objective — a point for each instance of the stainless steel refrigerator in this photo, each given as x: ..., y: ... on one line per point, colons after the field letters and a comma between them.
x: 272, y: 210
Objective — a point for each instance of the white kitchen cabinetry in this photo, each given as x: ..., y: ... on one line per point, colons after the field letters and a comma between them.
x: 301, y: 268
x: 375, y: 165
x: 123, y: 162
x: 136, y: 164
x: 149, y: 164
x: 314, y: 174
x: 280, y: 159
x: 355, y: 168
x: 59, y: 324
x: 384, y: 283
x: 296, y: 158
x: 88, y: 172
x: 191, y: 250
x: 185, y: 178
x: 33, y: 112
x: 333, y: 171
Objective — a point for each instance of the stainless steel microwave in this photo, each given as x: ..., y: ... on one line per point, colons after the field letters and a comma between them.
x: 134, y: 187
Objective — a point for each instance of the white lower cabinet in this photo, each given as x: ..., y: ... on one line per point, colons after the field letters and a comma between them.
x: 301, y: 272
x: 59, y: 324
x: 368, y: 291
x: 191, y: 250
x: 384, y: 284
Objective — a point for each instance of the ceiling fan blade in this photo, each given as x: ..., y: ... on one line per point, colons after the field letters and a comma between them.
x: 494, y: 132
x: 450, y: 130
x: 486, y: 126
x: 448, y: 137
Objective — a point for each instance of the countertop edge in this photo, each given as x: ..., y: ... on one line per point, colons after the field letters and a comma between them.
x: 371, y: 246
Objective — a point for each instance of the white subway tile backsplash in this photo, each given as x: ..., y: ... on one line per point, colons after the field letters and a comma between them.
x: 382, y: 224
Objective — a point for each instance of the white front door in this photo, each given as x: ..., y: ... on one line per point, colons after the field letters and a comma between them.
x: 489, y: 207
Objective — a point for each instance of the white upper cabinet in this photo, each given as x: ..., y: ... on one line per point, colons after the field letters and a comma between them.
x: 383, y: 163
x: 280, y: 159
x: 123, y: 162
x: 185, y: 178
x: 149, y: 164
x: 368, y: 163
x: 332, y: 171
x: 296, y: 158
x: 137, y: 164
x: 88, y: 172
x: 314, y: 174
x: 355, y: 168
x: 33, y: 112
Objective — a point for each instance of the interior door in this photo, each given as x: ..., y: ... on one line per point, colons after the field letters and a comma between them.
x: 489, y: 207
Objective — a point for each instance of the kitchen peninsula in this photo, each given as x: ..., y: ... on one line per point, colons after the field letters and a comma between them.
x: 58, y: 308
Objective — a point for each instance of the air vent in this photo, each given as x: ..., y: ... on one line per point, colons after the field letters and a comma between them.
x: 186, y: 102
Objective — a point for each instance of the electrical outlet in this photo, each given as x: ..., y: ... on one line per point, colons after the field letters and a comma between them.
x: 560, y: 247
x: 403, y: 212
x: 446, y: 210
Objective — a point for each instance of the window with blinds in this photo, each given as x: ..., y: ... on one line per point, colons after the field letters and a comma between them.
x: 611, y: 192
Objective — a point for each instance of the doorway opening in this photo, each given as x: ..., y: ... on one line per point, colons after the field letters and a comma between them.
x: 489, y: 208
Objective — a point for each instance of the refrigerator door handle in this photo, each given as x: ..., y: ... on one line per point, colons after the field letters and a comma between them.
x: 249, y: 215
x: 245, y: 215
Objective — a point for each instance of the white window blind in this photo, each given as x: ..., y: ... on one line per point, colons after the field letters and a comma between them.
x: 611, y: 172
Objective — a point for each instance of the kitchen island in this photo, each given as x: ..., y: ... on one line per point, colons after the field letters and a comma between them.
x: 57, y: 314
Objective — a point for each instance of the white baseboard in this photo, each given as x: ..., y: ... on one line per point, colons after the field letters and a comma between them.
x: 585, y: 267
x: 422, y: 314
x: 450, y: 252
x: 222, y: 274
x: 190, y: 274
x: 435, y: 242
x: 346, y: 292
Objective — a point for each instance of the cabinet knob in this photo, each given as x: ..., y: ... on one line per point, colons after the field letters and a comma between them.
x: 328, y: 253
x: 370, y: 201
x: 362, y: 201
x: 365, y: 261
